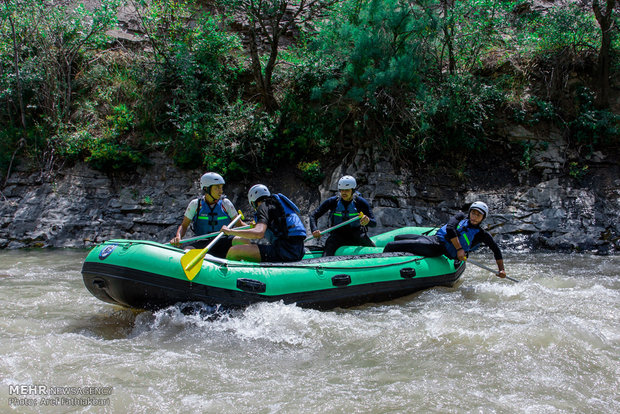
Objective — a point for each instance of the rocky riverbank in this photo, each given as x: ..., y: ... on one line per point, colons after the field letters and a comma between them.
x: 80, y: 207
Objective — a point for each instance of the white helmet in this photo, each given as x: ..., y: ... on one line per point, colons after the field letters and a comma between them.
x: 211, y: 178
x: 347, y: 183
x: 481, y: 207
x: 257, y: 191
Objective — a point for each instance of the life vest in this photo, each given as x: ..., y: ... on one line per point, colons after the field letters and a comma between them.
x: 465, y: 235
x: 209, y: 220
x: 291, y: 226
x: 342, y: 213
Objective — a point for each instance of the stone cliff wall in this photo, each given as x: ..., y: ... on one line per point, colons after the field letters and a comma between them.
x: 81, y: 207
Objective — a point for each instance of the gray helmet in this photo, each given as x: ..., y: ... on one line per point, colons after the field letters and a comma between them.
x: 481, y: 207
x: 211, y: 178
x: 257, y: 191
x: 347, y: 183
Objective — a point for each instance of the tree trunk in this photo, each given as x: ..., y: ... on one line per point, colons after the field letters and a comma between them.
x: 257, y: 70
x: 269, y: 99
x: 605, y: 21
x: 448, y: 31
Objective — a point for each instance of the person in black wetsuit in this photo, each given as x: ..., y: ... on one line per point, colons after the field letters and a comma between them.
x: 461, y: 235
x: 347, y: 205
x: 277, y: 220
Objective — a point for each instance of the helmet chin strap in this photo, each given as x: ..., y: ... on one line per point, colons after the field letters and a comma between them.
x: 208, y: 193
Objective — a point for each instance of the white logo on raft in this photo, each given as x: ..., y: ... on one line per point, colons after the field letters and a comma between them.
x: 107, y: 251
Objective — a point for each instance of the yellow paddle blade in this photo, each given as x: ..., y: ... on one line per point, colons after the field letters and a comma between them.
x: 187, y: 259
x: 192, y: 260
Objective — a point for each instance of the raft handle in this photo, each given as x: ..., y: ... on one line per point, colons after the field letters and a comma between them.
x: 407, y: 273
x: 251, y: 285
x: 341, y: 280
x: 99, y: 283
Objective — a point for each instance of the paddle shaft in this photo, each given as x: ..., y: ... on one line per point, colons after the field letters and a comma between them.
x: 206, y: 236
x: 337, y: 226
x: 489, y: 269
x: 204, y: 251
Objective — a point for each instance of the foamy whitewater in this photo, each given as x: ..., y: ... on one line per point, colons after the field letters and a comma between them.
x: 548, y: 344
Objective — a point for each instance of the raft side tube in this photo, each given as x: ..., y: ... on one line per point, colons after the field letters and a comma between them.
x: 149, y: 275
x: 144, y: 290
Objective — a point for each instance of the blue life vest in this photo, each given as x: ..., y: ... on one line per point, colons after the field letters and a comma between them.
x: 465, y: 234
x: 342, y: 213
x: 209, y: 220
x: 294, y: 225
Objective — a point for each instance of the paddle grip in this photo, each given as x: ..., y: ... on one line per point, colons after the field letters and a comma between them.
x: 337, y: 226
x: 206, y: 249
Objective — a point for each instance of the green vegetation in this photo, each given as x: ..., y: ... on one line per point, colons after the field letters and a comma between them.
x: 311, y: 172
x: 422, y: 79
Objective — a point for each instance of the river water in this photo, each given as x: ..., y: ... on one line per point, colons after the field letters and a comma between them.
x: 548, y: 344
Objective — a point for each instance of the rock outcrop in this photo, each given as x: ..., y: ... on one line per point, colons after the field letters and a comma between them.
x: 81, y: 207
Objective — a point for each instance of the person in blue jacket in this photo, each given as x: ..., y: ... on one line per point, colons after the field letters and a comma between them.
x: 208, y: 214
x: 461, y: 235
x: 277, y: 220
x: 347, y: 205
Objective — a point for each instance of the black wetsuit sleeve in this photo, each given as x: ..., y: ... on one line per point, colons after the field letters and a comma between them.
x: 327, y: 205
x: 485, y: 237
x: 452, y: 223
x: 364, y: 206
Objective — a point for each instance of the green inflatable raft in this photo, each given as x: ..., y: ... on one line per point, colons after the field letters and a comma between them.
x: 149, y: 275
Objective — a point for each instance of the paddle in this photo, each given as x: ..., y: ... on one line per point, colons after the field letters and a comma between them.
x: 192, y: 260
x: 206, y: 236
x: 337, y: 226
x: 489, y: 269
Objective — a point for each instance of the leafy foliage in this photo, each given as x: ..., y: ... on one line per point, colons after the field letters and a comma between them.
x: 421, y: 79
x: 456, y: 116
x: 471, y: 31
x: 268, y: 21
x: 374, y: 46
x: 239, y: 140
x: 569, y: 28
x: 594, y: 127
x: 192, y: 69
x: 42, y: 50
x: 382, y: 83
x: 311, y: 172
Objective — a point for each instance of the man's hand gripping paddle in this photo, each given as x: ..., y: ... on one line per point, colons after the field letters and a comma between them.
x: 337, y: 226
x: 192, y: 260
x: 206, y: 236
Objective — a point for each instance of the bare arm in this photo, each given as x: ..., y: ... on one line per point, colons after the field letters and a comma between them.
x: 181, y: 231
x: 500, y: 266
x: 258, y: 232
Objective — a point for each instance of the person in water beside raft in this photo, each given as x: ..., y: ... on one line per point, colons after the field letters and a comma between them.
x: 208, y: 214
x: 347, y: 205
x: 461, y: 235
x: 277, y: 219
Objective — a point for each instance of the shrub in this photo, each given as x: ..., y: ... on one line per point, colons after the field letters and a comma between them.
x: 311, y: 172
x: 238, y: 139
x: 107, y: 154
x: 593, y: 127
x: 457, y: 116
